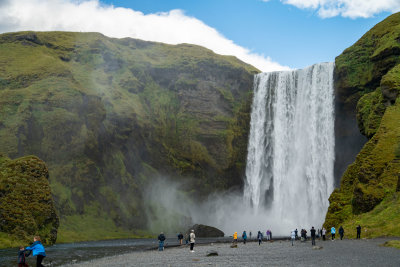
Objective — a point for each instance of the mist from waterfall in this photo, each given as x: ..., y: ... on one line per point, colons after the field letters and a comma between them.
x: 289, y: 173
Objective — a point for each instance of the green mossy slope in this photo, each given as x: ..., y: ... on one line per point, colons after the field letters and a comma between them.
x: 26, y: 203
x: 368, y: 73
x: 383, y: 220
x: 107, y: 115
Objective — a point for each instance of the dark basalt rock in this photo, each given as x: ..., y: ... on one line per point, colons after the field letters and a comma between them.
x: 202, y: 230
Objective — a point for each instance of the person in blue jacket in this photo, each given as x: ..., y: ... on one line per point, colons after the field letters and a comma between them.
x: 37, y: 250
x: 333, y: 232
x: 244, y: 236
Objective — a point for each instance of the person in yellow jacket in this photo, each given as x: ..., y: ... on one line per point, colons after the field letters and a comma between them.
x: 235, y: 238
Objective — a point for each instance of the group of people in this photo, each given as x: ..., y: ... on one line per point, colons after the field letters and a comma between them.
x: 190, y: 239
x: 260, y: 236
x: 37, y: 249
x: 303, y: 233
x: 322, y: 233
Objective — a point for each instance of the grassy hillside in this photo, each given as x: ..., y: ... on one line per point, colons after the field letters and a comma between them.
x: 368, y: 75
x: 109, y: 115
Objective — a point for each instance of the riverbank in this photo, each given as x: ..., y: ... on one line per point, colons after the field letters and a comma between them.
x: 365, y: 252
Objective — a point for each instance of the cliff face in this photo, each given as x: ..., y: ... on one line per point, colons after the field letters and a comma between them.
x: 26, y: 203
x: 107, y: 115
x: 368, y: 84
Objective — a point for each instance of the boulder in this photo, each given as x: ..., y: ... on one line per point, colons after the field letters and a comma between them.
x: 202, y: 230
x: 211, y: 253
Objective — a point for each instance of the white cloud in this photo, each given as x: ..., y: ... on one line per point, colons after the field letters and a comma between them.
x: 171, y: 27
x: 347, y: 8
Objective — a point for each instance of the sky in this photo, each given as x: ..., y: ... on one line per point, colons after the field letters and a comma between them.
x: 269, y: 34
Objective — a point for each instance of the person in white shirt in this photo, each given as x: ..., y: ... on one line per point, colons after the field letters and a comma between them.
x: 192, y: 237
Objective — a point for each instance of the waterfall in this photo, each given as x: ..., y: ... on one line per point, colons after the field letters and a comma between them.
x: 289, y: 172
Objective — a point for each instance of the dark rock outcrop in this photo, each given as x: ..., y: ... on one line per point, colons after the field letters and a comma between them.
x: 202, y: 230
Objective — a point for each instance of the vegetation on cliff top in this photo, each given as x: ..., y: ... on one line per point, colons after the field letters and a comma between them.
x: 26, y: 203
x: 107, y: 115
x: 369, y: 74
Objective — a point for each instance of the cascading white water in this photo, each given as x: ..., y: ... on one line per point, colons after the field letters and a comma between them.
x: 289, y: 173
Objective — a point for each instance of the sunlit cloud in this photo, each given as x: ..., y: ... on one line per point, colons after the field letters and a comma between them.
x: 346, y: 8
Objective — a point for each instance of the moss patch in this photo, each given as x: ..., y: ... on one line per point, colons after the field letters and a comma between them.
x: 392, y: 243
x: 383, y: 220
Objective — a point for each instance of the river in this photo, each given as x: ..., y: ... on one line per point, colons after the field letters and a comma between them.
x: 60, y: 254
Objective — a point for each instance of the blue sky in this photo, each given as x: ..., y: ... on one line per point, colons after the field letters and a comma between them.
x: 291, y: 36
x: 269, y: 34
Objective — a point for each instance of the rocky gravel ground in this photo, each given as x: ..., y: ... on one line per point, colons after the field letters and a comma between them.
x: 365, y: 252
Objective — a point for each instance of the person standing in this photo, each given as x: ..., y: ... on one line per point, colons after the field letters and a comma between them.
x: 296, y: 236
x: 259, y: 237
x: 323, y: 231
x: 270, y: 234
x: 38, y: 251
x: 192, y: 237
x: 341, y: 232
x: 180, y: 238
x: 293, y: 236
x: 333, y: 232
x: 235, y: 238
x: 358, y: 232
x: 161, y: 239
x: 312, y: 236
x: 250, y: 235
x: 267, y: 235
x: 244, y: 236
